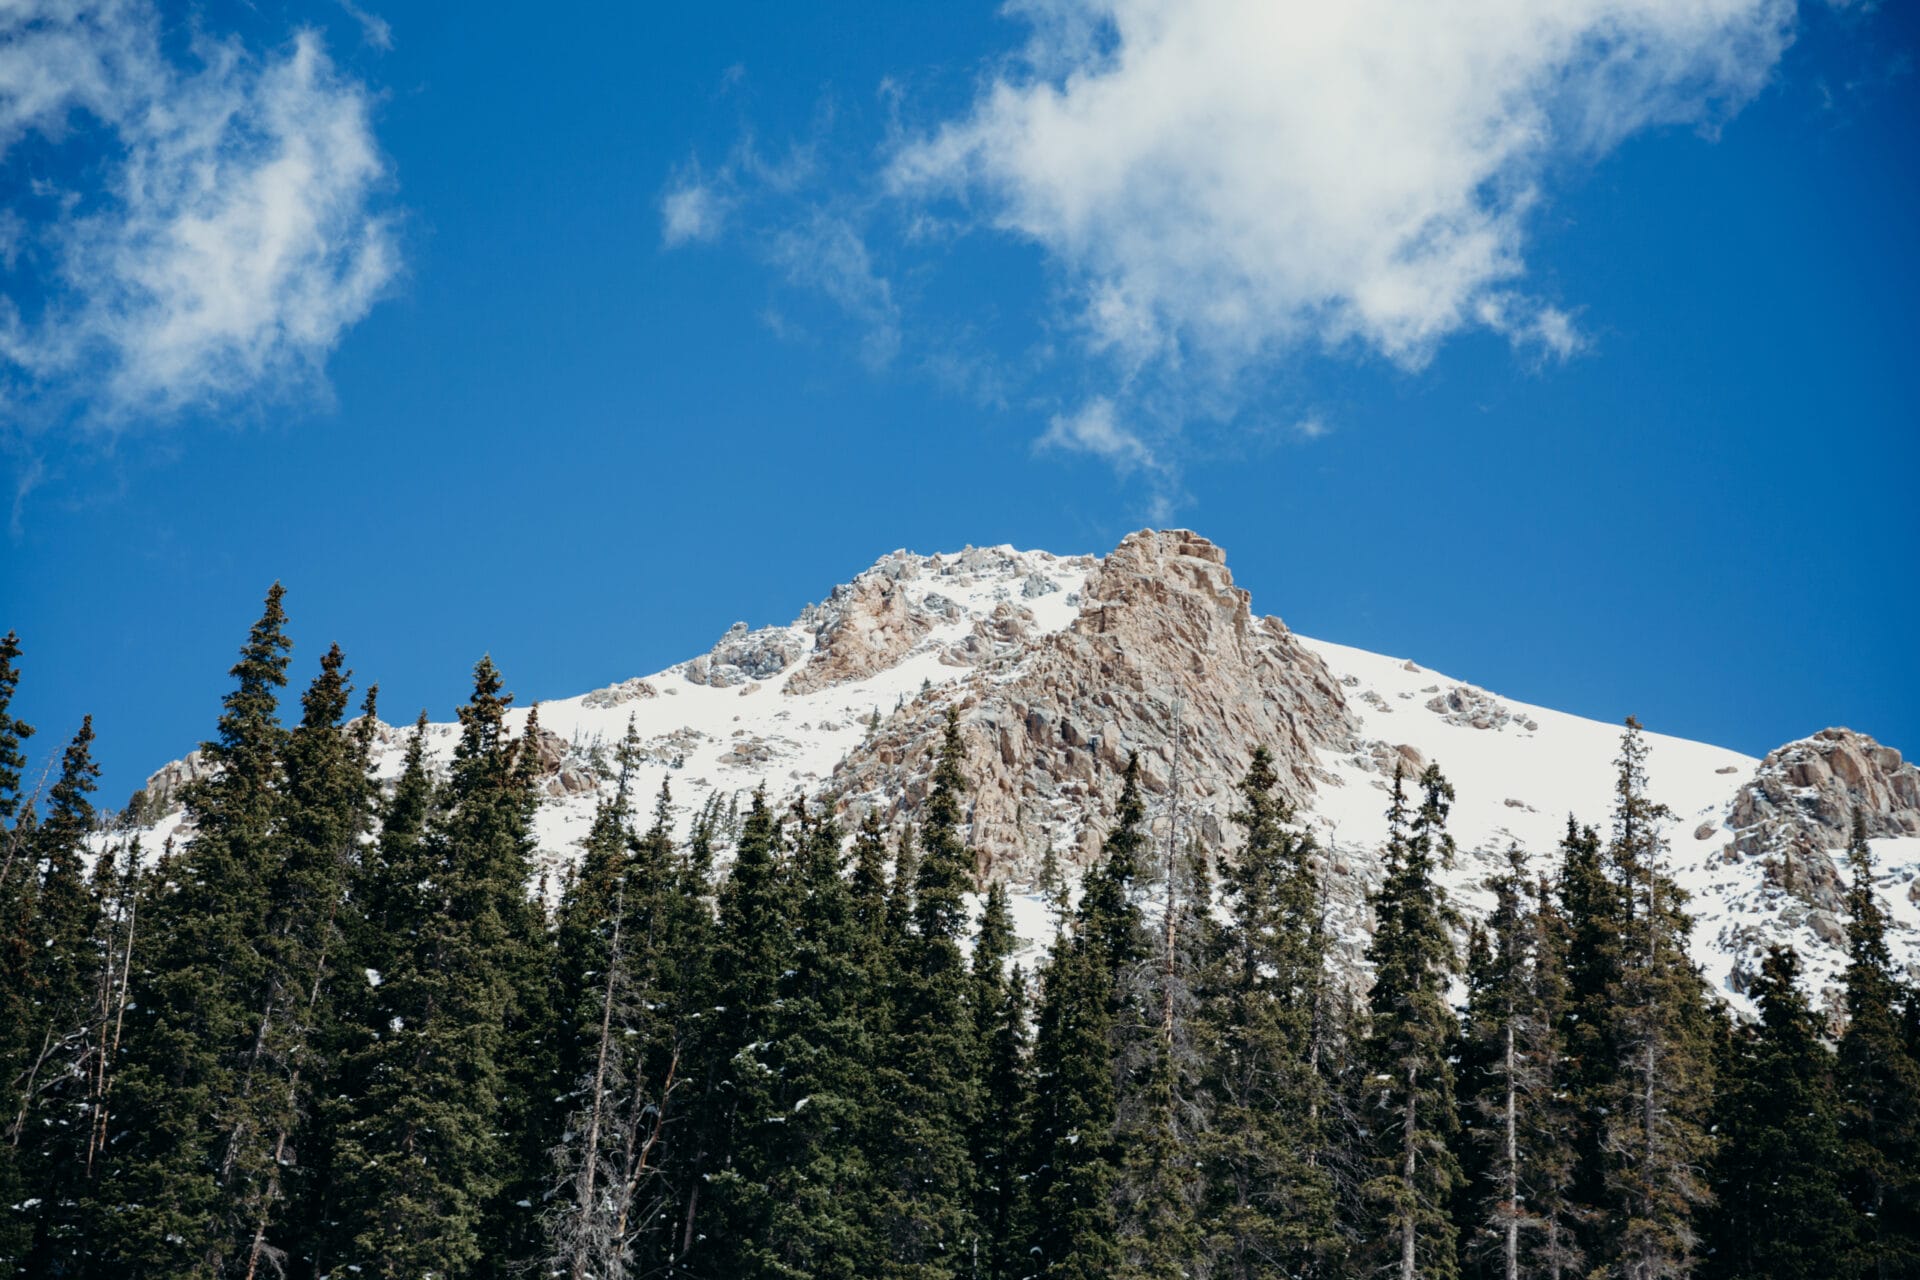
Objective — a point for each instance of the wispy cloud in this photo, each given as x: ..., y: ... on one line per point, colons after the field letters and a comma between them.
x: 1095, y: 430
x: 226, y: 245
x: 374, y: 29
x: 691, y: 211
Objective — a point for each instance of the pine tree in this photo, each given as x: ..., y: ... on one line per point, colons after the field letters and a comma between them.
x: 1413, y: 958
x: 1000, y: 1151
x: 1270, y: 1202
x: 47, y: 1130
x: 1779, y: 1212
x: 327, y: 806
x: 1090, y: 1020
x: 1164, y: 1110
x: 17, y: 888
x: 1654, y: 1133
x: 427, y: 1153
x: 611, y: 1023
x: 1548, y: 1120
x: 1515, y: 1221
x: 927, y: 1189
x: 824, y: 1208
x: 754, y: 948
x: 1878, y: 1086
x: 158, y: 1208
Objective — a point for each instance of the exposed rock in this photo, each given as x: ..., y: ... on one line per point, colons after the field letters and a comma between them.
x: 1049, y: 728
x: 1038, y: 585
x: 1473, y: 708
x: 743, y: 655
x: 1798, y: 808
x: 618, y: 695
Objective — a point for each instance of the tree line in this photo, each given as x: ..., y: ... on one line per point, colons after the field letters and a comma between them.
x: 331, y: 1033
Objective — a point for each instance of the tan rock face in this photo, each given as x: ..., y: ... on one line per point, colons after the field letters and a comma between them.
x: 867, y: 627
x: 1797, y: 810
x: 1049, y: 728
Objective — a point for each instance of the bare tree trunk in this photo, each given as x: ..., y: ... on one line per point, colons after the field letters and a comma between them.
x: 591, y: 1169
x: 26, y: 1090
x: 1409, y: 1162
x: 1513, y: 1163
x: 97, y: 1141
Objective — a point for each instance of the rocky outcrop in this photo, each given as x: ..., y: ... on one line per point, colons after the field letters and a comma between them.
x: 1472, y: 708
x: 1796, y: 812
x: 618, y: 695
x: 743, y: 655
x: 1049, y: 728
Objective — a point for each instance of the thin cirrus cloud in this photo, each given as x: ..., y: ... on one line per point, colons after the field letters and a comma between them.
x: 1218, y: 185
x: 222, y: 249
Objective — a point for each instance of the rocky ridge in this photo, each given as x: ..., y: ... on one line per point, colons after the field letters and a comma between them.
x: 1061, y: 667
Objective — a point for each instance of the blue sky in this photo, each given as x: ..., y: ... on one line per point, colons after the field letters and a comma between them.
x: 1566, y: 349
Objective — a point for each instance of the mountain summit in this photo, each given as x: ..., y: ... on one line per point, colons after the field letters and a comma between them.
x: 1061, y: 668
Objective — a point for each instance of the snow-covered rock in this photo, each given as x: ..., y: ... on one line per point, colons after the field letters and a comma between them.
x: 1060, y: 667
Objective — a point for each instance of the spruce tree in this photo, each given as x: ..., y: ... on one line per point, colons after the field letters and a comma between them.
x: 159, y: 1207
x: 17, y: 885
x: 327, y: 803
x: 1515, y: 1115
x: 1089, y: 1022
x: 927, y: 1191
x: 823, y: 1186
x: 427, y: 1151
x: 1413, y: 957
x: 1270, y: 1200
x: 1001, y: 1166
x: 1654, y: 1134
x: 47, y: 1129
x: 754, y: 948
x: 1878, y: 1085
x: 1779, y: 1212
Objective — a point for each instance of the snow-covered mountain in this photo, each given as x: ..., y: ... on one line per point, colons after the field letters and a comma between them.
x: 1062, y: 666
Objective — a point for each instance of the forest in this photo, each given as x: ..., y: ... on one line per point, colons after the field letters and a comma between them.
x: 336, y: 1031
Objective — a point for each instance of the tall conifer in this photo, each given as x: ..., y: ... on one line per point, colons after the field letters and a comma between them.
x: 1412, y: 952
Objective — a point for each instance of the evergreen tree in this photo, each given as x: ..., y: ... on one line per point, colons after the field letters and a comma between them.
x: 17, y: 890
x: 1413, y: 957
x: 1270, y: 1200
x: 1000, y: 1159
x: 48, y: 1127
x: 927, y: 1189
x: 1516, y: 1221
x: 1088, y: 1024
x: 1779, y: 1212
x: 159, y: 1208
x: 995, y: 1133
x: 327, y: 807
x: 1878, y: 1086
x: 1654, y: 1132
x: 425, y: 1153
x: 1164, y: 1109
x: 823, y: 1185
x: 754, y: 948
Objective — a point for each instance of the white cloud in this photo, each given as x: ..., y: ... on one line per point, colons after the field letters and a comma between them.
x: 374, y: 29
x: 826, y: 253
x: 231, y: 241
x: 690, y: 212
x: 1312, y: 427
x: 1225, y: 180
x: 1096, y: 430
